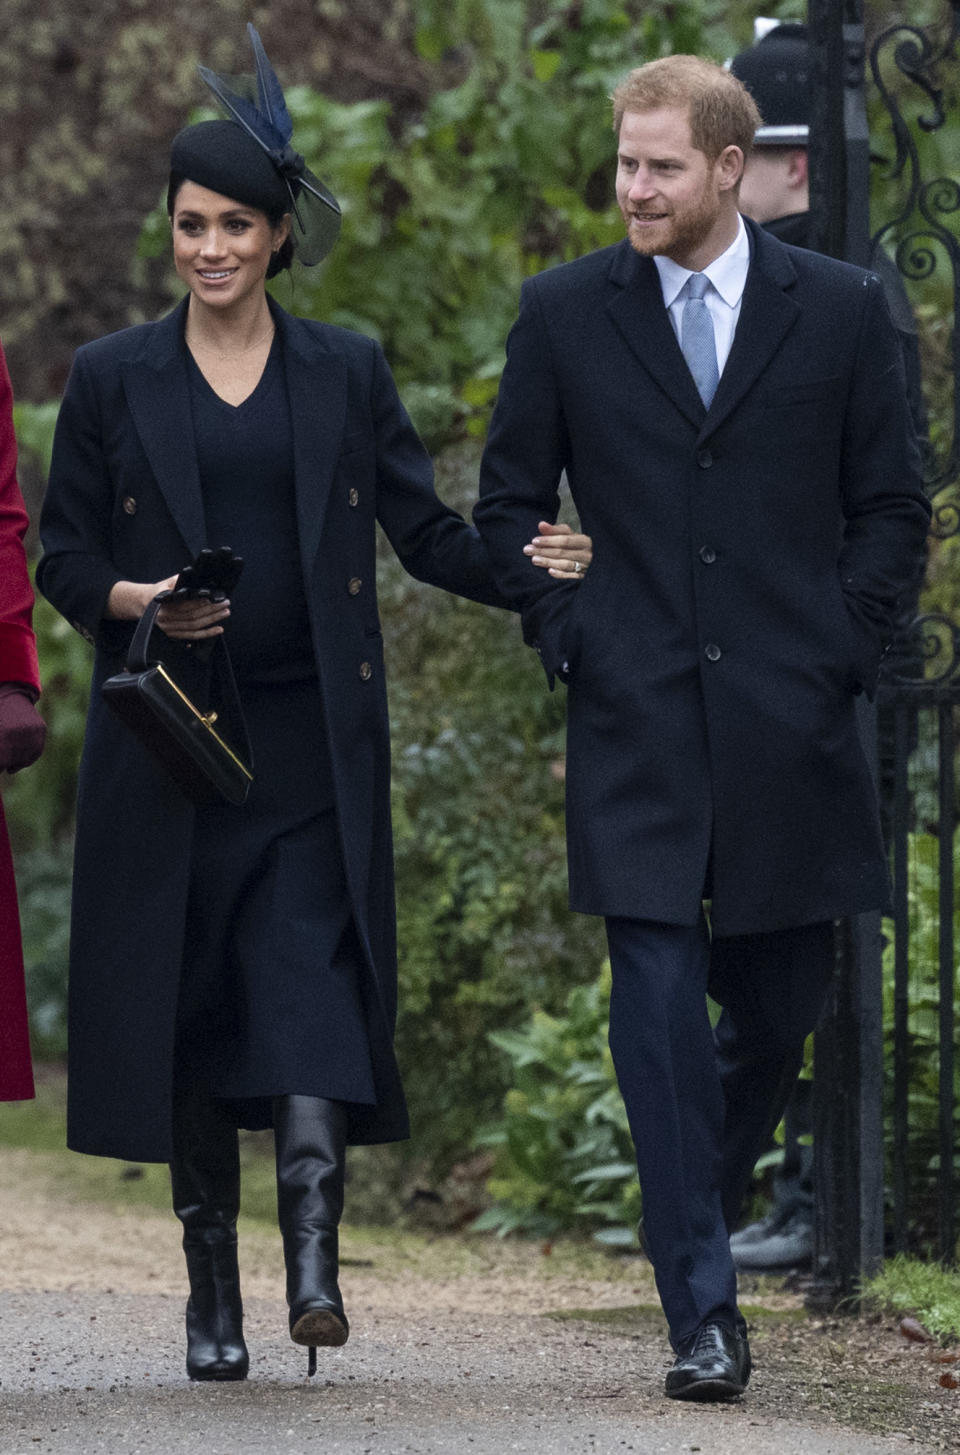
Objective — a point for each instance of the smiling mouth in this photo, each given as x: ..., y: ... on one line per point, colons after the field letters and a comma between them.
x: 210, y: 276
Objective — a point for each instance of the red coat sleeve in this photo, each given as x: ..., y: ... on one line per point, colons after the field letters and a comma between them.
x: 18, y: 648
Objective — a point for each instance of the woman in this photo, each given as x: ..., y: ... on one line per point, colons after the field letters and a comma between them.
x: 237, y: 966
x: 21, y: 742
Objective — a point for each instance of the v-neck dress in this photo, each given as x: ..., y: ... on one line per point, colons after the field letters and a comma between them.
x: 272, y: 997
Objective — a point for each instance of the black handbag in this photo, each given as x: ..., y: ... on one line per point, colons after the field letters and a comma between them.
x: 206, y: 762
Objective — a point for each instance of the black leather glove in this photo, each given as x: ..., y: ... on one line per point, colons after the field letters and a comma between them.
x: 22, y: 729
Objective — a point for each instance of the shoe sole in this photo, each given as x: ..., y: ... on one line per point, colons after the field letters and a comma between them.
x: 707, y: 1390
x: 321, y: 1328
x: 220, y: 1376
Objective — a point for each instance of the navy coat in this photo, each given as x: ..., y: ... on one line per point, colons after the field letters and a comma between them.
x: 747, y: 565
x: 124, y: 503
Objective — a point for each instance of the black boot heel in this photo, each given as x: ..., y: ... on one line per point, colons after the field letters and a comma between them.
x: 310, y: 1144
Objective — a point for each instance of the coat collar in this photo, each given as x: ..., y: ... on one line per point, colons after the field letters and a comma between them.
x: 157, y: 389
x: 767, y: 314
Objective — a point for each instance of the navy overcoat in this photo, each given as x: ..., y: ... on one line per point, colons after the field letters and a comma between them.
x: 124, y: 504
x: 748, y: 561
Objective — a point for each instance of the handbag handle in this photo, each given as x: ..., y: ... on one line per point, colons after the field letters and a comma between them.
x: 137, y: 655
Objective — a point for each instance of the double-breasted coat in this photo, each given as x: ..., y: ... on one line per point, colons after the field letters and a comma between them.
x: 124, y: 502
x: 18, y: 663
x: 748, y: 562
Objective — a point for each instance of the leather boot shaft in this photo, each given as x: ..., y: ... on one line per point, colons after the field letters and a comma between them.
x: 205, y: 1183
x: 310, y: 1135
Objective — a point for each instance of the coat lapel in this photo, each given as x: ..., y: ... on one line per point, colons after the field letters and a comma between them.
x: 637, y: 310
x: 316, y: 383
x: 767, y: 314
x: 317, y: 389
x: 157, y: 389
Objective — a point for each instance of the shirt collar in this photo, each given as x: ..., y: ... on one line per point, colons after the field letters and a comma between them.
x: 728, y: 273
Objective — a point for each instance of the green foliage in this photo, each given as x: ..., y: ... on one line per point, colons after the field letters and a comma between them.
x: 33, y: 425
x: 926, y: 1290
x: 484, y: 930
x: 43, y: 889
x: 38, y: 807
x: 564, y: 1155
x: 923, y: 1039
x: 560, y: 1064
x: 39, y: 802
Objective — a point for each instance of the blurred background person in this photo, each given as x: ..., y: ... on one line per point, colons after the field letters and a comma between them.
x: 22, y: 733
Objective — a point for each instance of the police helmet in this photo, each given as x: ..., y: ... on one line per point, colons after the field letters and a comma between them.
x: 776, y: 72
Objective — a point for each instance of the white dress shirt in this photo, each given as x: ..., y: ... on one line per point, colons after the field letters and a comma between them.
x: 728, y: 276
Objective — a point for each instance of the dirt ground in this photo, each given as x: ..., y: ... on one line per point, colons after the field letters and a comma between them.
x: 456, y: 1344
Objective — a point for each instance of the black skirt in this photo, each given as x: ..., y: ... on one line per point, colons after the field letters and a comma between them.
x: 272, y: 987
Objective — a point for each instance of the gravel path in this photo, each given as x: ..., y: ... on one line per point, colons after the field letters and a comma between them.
x: 453, y: 1351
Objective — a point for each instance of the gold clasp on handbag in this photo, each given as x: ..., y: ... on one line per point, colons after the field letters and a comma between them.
x: 209, y: 718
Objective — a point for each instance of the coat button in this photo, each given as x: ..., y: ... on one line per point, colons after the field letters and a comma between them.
x: 129, y: 505
x: 707, y: 555
x: 353, y: 497
x: 354, y: 584
x: 704, y: 459
x: 366, y: 671
x: 712, y: 652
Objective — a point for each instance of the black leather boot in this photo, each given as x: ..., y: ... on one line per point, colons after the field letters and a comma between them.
x: 311, y: 1135
x: 205, y: 1179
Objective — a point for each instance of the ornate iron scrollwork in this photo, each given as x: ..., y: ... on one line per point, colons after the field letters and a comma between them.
x: 907, y: 63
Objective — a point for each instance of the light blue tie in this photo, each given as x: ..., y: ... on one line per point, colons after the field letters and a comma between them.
x: 697, y: 338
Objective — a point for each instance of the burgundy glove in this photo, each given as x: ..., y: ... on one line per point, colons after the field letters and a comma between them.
x: 22, y: 729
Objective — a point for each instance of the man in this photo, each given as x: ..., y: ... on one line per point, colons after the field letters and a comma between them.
x: 738, y: 445
x: 775, y: 192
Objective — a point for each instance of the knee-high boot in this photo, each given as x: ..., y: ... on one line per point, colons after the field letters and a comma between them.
x: 205, y: 1180
x: 311, y: 1137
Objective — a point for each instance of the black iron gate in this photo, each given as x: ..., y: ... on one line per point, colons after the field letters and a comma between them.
x: 887, y: 1100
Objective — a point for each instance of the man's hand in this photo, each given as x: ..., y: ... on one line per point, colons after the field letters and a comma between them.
x: 22, y: 729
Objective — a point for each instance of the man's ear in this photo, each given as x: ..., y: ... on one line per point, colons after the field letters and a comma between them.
x: 729, y: 168
x: 798, y: 171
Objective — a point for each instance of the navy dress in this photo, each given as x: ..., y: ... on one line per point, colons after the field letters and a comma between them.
x: 272, y: 988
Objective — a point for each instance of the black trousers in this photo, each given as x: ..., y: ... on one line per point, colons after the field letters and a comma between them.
x: 702, y: 1103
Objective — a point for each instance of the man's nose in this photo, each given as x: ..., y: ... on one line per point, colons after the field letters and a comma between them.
x: 641, y: 186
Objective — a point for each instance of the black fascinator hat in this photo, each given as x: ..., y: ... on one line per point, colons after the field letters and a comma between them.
x: 250, y: 157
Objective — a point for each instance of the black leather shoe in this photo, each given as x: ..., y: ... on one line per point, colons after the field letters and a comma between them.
x: 714, y: 1365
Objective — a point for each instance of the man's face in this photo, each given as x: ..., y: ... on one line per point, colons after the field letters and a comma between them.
x: 774, y: 183
x: 674, y: 201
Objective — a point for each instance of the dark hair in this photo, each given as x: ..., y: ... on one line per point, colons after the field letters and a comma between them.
x: 279, y: 261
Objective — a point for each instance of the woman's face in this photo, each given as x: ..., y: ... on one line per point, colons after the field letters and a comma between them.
x: 221, y: 247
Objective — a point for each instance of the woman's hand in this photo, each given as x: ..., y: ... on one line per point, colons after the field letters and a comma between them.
x: 563, y: 552
x: 190, y: 619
